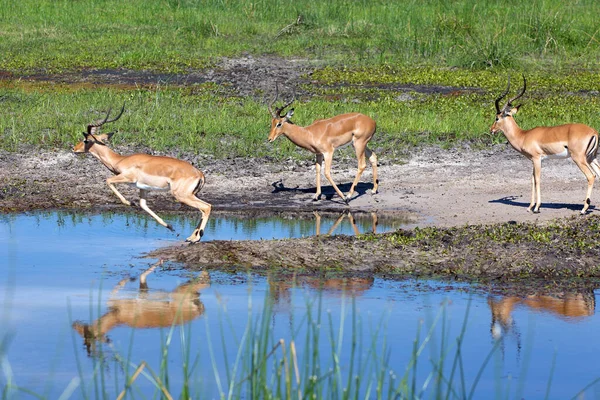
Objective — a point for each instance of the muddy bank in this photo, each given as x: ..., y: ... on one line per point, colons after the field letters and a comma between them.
x: 565, y: 249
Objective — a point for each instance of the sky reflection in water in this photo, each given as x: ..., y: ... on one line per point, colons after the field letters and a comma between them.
x: 61, y: 267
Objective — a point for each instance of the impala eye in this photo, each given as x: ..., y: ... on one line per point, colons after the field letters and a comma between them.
x: 278, y: 125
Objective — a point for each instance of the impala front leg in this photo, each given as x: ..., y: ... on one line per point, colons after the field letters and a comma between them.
x: 111, y: 184
x: 145, y: 207
x: 318, y: 169
x: 532, y: 203
x: 536, y: 186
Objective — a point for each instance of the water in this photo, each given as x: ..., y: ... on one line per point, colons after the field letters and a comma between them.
x: 59, y: 268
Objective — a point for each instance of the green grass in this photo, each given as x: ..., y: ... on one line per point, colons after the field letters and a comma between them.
x: 365, y: 47
x: 173, y: 35
x: 207, y: 120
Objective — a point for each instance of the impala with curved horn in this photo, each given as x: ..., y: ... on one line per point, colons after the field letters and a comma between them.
x: 147, y: 172
x: 323, y: 136
x: 578, y: 141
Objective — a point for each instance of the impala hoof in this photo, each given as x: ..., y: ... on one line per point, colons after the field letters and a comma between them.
x: 316, y: 197
x: 170, y: 227
x: 195, y: 237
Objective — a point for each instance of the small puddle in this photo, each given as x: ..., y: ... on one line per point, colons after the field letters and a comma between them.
x: 76, y: 302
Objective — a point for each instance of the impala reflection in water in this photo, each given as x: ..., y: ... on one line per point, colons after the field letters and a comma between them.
x: 280, y: 289
x: 339, y: 220
x: 149, y: 309
x: 567, y: 306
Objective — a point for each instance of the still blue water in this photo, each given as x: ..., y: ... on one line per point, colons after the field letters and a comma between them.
x: 60, y: 267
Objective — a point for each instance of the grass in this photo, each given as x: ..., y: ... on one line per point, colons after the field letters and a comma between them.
x: 366, y: 50
x: 174, y: 35
x: 208, y: 121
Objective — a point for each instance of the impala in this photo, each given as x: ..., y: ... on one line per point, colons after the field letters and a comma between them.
x: 578, y: 141
x: 567, y: 306
x: 147, y: 172
x: 147, y: 309
x: 323, y: 136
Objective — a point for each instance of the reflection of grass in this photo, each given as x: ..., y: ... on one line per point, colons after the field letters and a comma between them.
x: 320, y: 359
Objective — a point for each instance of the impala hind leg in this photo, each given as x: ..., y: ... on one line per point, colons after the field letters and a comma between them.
x: 595, y: 167
x: 193, y: 201
x: 373, y: 161
x: 195, y: 285
x: 318, y: 169
x: 362, y: 164
x: 144, y: 206
x: 588, y: 171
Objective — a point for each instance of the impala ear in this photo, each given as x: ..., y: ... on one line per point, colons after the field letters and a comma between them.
x: 110, y: 135
x: 289, y: 113
x: 514, y: 110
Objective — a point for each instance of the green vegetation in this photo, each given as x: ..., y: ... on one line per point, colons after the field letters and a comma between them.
x: 173, y: 35
x: 576, y: 235
x: 207, y: 120
x: 366, y: 50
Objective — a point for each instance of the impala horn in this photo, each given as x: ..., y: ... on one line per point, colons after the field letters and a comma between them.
x: 509, y: 104
x: 277, y: 113
x: 502, y: 96
x: 274, y: 100
x: 94, y: 128
x: 280, y: 110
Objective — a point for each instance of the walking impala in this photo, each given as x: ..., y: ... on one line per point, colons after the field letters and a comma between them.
x: 578, y: 141
x: 323, y: 136
x: 147, y: 172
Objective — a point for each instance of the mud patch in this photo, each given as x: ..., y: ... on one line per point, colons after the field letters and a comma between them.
x: 501, y: 253
x: 243, y: 76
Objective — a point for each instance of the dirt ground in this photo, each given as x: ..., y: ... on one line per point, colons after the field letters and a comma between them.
x: 432, y: 187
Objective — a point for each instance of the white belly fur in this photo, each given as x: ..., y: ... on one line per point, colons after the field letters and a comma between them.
x: 147, y: 187
x: 561, y: 155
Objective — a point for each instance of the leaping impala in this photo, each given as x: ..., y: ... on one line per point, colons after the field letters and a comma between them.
x: 323, y: 136
x: 147, y: 172
x: 578, y: 141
